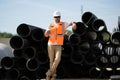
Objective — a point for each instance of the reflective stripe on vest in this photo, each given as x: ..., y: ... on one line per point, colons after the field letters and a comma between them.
x: 56, y: 36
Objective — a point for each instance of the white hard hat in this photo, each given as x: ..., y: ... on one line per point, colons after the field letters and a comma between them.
x: 56, y: 13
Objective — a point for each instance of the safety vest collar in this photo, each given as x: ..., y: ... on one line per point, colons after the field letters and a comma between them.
x: 54, y: 23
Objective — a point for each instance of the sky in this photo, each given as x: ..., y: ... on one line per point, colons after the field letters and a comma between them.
x: 40, y: 12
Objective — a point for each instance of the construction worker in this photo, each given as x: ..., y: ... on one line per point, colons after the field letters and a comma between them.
x: 55, y: 33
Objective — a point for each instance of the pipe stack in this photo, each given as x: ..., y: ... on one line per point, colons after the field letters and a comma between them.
x: 30, y: 54
x: 91, y: 51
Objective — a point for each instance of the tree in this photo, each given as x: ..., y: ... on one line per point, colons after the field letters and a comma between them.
x: 68, y: 32
x: 5, y: 35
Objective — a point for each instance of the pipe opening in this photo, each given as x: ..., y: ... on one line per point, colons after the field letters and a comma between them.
x: 16, y: 42
x: 23, y: 30
x: 99, y: 25
x: 7, y: 62
x: 86, y: 17
x: 38, y: 34
x: 81, y: 28
x: 42, y: 57
x: 32, y: 64
x: 13, y: 74
x: 74, y: 39
x: 18, y: 53
x: 29, y: 52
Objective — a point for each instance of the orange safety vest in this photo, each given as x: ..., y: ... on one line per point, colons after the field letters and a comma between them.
x: 56, y: 36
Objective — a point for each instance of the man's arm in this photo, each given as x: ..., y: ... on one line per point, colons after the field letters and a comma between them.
x: 73, y: 24
x: 47, y: 32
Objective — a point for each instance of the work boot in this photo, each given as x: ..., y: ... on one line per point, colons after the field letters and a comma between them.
x: 47, y: 77
x: 53, y: 77
x: 48, y: 74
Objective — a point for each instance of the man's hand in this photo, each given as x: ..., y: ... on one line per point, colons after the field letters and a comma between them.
x: 73, y: 24
x: 47, y: 32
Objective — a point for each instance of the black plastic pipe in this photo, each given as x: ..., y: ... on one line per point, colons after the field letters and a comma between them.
x: 29, y: 52
x: 61, y: 72
x: 41, y: 72
x: 66, y: 41
x: 109, y: 49
x: 99, y: 25
x: 67, y: 49
x: 42, y: 57
x: 3, y: 72
x: 91, y: 36
x: 17, y: 42
x: 24, y: 78
x: 84, y: 47
x: 115, y: 38
x: 104, y: 36
x: 25, y: 74
x: 81, y: 28
x: 94, y: 72
x: 32, y: 64
x: 88, y: 18
x: 74, y: 39
x: 12, y: 74
x: 96, y: 47
x: 18, y: 53
x: 26, y: 30
x: 90, y: 58
x: 114, y: 60
x: 20, y: 63
x: 117, y: 50
x: 7, y: 62
x: 38, y: 34
x: 107, y: 73
x: 77, y: 57
x: 102, y: 61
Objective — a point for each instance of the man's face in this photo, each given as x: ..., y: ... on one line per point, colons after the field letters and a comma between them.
x: 57, y: 19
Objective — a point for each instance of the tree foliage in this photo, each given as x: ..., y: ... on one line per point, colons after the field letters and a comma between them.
x: 5, y: 35
x: 68, y: 32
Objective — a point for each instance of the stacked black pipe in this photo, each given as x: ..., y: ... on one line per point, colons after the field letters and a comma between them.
x: 30, y: 59
x: 91, y: 51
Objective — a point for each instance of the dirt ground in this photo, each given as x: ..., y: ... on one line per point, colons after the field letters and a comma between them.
x: 5, y: 41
